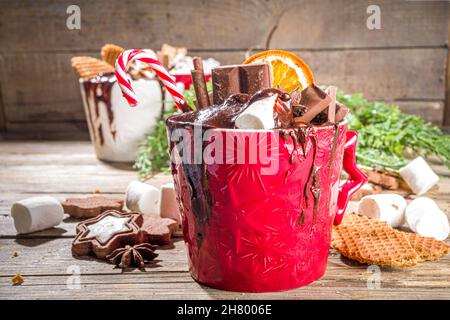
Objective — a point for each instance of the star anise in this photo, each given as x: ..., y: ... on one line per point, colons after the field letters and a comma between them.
x: 137, y: 255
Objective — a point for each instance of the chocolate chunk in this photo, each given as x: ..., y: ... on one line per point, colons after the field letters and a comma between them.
x: 315, y: 100
x: 245, y: 78
x: 312, y: 95
x: 341, y: 112
x: 254, y: 77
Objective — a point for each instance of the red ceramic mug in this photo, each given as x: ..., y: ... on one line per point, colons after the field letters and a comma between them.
x: 255, y: 226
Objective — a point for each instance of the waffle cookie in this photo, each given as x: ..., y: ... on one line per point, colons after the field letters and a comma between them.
x: 88, y: 67
x: 372, y: 241
x: 428, y: 249
x: 110, y: 53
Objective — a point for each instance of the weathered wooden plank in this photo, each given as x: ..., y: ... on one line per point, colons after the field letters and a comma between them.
x: 27, y: 148
x: 431, y: 111
x: 41, y: 25
x: 41, y: 92
x: 446, y: 121
x: 181, y: 286
x: 55, y: 255
x: 59, y: 130
x: 382, y: 74
x: 342, y: 24
x: 64, y: 230
x: 2, y: 105
x: 52, y: 178
x: 44, y: 258
x: 221, y: 24
x: 48, y: 268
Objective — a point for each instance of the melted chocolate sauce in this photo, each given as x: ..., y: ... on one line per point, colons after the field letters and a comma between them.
x: 99, y: 89
x: 334, y: 145
x: 315, y: 189
x: 196, y: 178
x: 299, y: 138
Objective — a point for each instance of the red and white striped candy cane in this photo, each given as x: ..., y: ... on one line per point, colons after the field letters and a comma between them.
x: 125, y: 83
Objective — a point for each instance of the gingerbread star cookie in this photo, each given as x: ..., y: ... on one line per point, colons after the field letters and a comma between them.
x: 91, y: 206
x: 107, y: 232
x: 158, y: 230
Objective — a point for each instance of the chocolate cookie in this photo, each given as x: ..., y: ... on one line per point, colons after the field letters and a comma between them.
x: 107, y: 232
x: 158, y: 230
x: 91, y: 206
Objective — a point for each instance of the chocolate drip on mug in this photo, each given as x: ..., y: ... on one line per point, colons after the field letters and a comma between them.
x: 104, y: 85
x: 311, y: 172
x: 197, y: 180
x: 334, y: 145
x: 301, y: 219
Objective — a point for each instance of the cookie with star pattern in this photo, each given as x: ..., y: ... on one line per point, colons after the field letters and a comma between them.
x: 107, y: 232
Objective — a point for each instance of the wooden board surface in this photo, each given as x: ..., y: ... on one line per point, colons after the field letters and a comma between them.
x: 65, y: 169
x: 406, y: 60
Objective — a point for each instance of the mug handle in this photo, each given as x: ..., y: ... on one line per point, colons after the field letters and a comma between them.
x: 356, y: 178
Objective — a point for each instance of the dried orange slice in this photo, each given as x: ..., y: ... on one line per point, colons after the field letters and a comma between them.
x: 289, y: 72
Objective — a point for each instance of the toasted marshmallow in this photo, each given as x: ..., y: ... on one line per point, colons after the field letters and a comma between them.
x: 384, y: 207
x: 258, y: 115
x: 419, y: 176
x: 142, y: 197
x: 425, y: 217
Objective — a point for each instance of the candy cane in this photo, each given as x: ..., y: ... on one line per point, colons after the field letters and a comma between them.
x: 125, y: 83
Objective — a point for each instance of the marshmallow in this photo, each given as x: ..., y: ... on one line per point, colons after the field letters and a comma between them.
x: 142, y: 197
x: 384, y: 207
x: 258, y: 115
x: 168, y: 204
x: 424, y: 217
x: 37, y: 213
x: 419, y: 176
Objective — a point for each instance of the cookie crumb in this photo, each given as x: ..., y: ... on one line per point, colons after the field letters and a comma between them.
x: 17, y: 280
x: 14, y: 254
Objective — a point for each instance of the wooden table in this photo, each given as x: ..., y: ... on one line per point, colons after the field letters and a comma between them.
x: 64, y: 169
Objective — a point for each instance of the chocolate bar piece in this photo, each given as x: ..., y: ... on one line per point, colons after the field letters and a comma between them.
x: 245, y: 78
x: 315, y: 100
x: 341, y: 112
x: 225, y: 83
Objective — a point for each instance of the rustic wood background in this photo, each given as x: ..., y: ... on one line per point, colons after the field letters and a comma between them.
x: 406, y: 61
